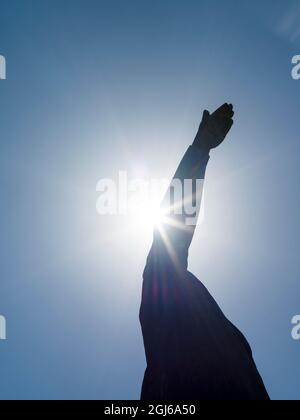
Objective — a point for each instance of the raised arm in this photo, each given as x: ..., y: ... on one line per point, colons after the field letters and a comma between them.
x: 181, y: 205
x: 166, y: 304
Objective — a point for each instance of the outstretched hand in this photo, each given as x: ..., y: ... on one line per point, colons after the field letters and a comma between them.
x: 214, y: 127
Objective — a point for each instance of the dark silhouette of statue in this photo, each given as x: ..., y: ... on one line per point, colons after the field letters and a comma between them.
x: 193, y: 351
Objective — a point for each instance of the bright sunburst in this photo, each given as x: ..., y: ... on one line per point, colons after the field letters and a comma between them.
x: 150, y: 216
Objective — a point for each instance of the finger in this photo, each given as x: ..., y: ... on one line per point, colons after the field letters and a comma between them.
x: 231, y: 110
x: 228, y: 110
x: 225, y: 124
x: 227, y: 113
x: 206, y: 115
x: 205, y: 118
x: 228, y: 125
x: 222, y: 109
x: 225, y: 110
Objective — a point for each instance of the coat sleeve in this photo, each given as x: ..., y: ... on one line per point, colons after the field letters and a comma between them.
x: 180, y: 208
x: 164, y: 285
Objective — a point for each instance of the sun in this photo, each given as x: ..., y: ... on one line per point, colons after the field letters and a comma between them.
x: 149, y: 217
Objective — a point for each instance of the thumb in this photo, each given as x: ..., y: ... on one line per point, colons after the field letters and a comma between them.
x: 205, y: 117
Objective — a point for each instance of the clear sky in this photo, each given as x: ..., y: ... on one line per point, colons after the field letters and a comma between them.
x: 95, y: 87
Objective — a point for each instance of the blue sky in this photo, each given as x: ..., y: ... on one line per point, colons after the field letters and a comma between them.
x: 95, y: 87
